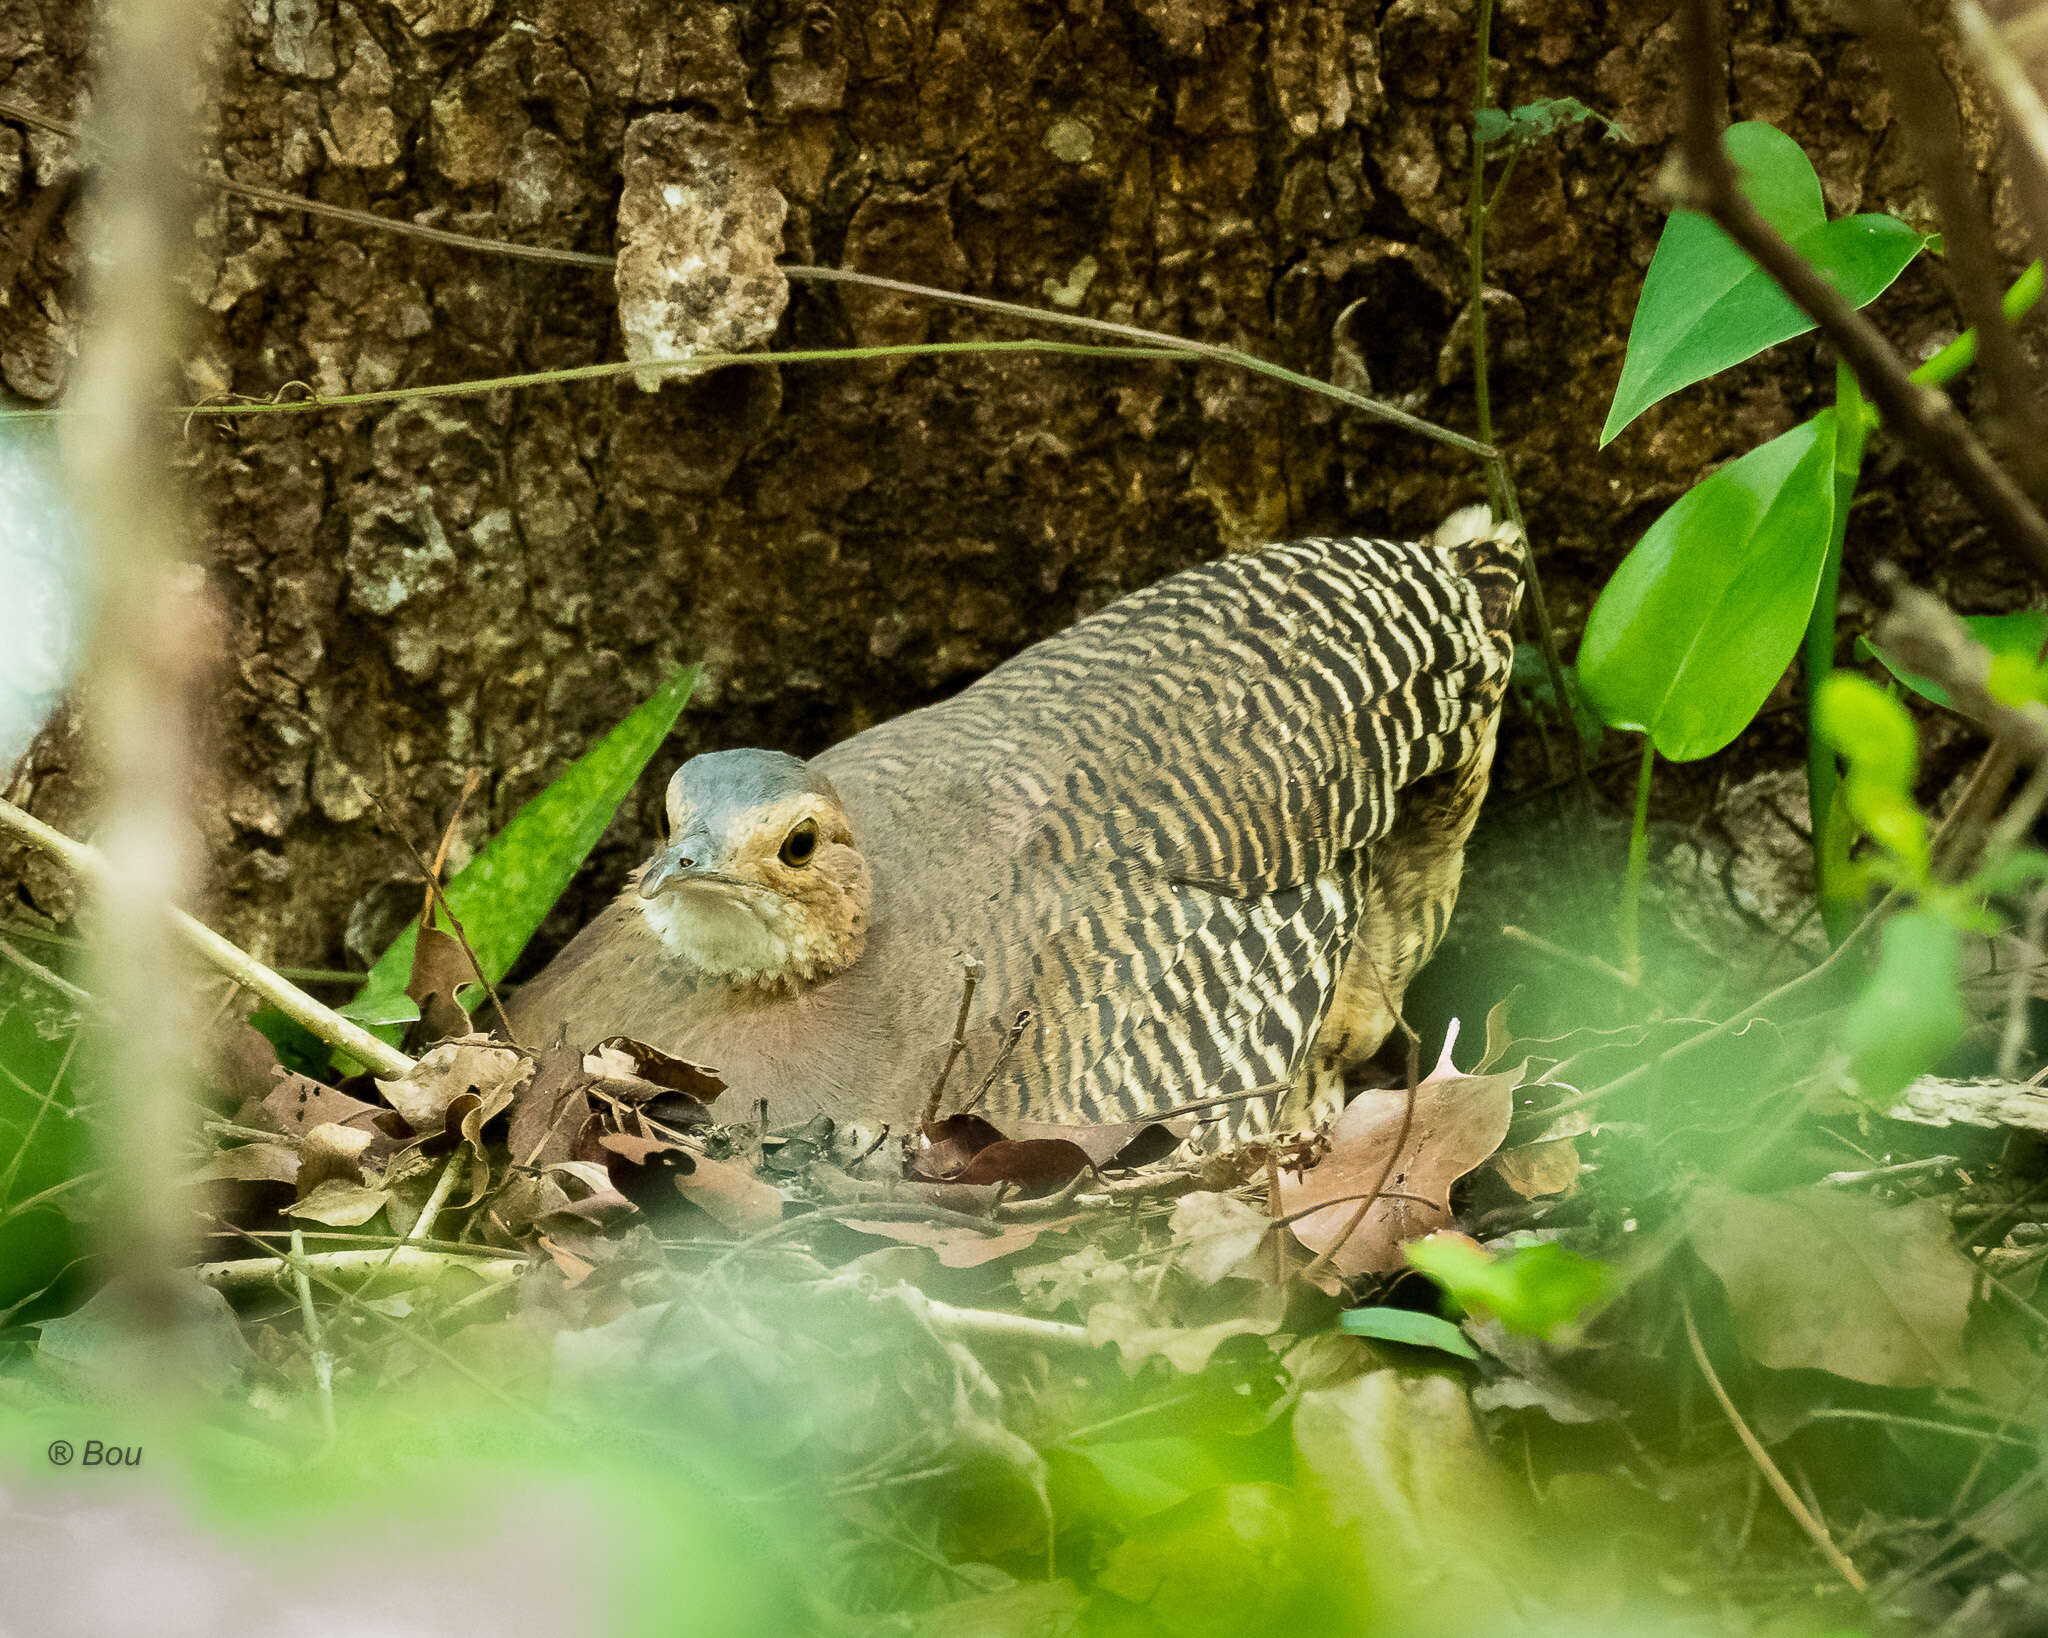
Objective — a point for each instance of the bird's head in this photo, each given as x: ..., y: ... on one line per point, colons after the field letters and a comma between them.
x: 760, y: 882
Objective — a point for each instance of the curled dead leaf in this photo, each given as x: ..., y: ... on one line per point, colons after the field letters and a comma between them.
x: 620, y: 1057
x: 733, y: 1195
x: 1408, y: 1157
x: 477, y: 1065
x: 1533, y: 1170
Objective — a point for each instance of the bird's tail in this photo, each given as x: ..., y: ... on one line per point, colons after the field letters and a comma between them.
x: 1490, y: 555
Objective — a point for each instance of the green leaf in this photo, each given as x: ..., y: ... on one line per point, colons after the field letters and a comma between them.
x: 504, y: 893
x: 1534, y: 1290
x: 1406, y: 1325
x: 1911, y: 1014
x: 1872, y: 729
x: 1699, y: 622
x: 1706, y: 306
x: 1878, y: 736
x: 2020, y: 635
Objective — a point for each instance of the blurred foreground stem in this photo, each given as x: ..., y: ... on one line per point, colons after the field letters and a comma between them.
x: 145, y: 632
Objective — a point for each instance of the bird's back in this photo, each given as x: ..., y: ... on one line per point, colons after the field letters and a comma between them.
x: 1155, y: 830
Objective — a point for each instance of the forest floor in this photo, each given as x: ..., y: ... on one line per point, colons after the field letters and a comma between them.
x: 1705, y: 1344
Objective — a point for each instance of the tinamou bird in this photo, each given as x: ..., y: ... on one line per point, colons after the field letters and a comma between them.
x: 1198, y: 843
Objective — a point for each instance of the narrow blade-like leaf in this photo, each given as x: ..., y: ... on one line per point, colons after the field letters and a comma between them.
x: 1701, y: 619
x: 505, y: 892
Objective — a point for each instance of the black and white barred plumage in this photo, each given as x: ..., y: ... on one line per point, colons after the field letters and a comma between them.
x: 1188, y: 787
x: 1204, y: 838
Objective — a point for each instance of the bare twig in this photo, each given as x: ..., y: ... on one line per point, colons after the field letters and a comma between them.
x: 316, y: 1343
x: 970, y: 976
x: 1923, y: 415
x: 1014, y: 1034
x: 237, y: 964
x: 1998, y: 63
x: 1801, y: 1513
x: 1925, y: 105
x: 36, y: 970
x: 398, y: 1262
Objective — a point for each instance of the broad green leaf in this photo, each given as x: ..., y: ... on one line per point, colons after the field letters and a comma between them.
x: 1911, y: 1013
x: 1533, y: 1290
x: 2019, y: 635
x: 504, y: 893
x: 1699, y: 622
x: 1406, y: 1325
x: 1706, y: 306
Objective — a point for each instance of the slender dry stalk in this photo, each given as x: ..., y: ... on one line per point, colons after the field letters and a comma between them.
x: 1925, y: 104
x: 146, y: 631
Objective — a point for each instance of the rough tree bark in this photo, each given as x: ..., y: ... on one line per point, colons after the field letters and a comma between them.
x: 410, y: 592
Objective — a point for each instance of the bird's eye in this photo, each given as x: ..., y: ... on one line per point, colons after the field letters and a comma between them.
x: 800, y: 845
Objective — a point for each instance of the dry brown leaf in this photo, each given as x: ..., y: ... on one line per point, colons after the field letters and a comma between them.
x: 340, y: 1204
x: 1457, y: 1122
x: 1533, y: 1170
x: 299, y: 1103
x: 574, y: 1269
x: 332, y: 1150
x: 733, y: 1195
x: 954, y: 1247
x: 1819, y: 1279
x: 550, y: 1110
x: 1124, y: 1143
x: 476, y: 1064
x: 620, y: 1057
x: 1214, y: 1233
x: 946, y: 1147
x: 633, y: 1149
x: 244, y: 1063
x: 441, y: 968
x: 1035, y: 1165
x: 253, y: 1163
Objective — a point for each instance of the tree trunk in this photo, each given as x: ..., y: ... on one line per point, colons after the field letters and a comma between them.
x: 410, y: 591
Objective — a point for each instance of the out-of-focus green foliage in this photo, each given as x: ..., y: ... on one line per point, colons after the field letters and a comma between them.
x: 1911, y: 1013
x: 1534, y: 1290
x: 42, y: 1171
x: 2014, y: 641
x: 1877, y: 737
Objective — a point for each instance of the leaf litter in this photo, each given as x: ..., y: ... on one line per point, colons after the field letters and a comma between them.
x: 950, y: 1315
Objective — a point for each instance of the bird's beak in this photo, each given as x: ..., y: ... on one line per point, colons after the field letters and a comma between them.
x: 685, y: 860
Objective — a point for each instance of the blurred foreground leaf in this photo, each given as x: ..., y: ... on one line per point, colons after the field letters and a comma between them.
x: 1911, y: 1013
x: 2016, y: 636
x: 1533, y: 1290
x: 1819, y: 1279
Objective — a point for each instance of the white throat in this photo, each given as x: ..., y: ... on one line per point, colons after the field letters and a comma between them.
x: 741, y: 935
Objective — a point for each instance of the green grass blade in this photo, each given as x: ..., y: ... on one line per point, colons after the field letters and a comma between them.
x: 506, y: 891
